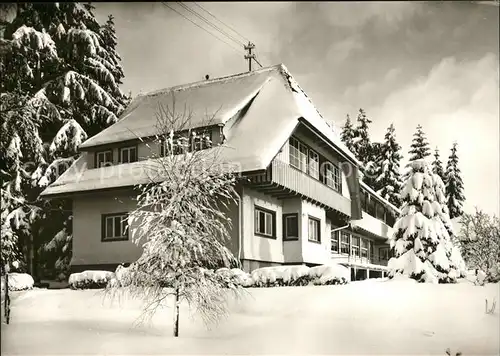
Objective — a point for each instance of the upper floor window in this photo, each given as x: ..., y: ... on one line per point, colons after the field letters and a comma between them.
x: 298, y: 154
x: 114, y: 227
x: 128, y: 154
x: 313, y: 167
x: 334, y: 238
x: 390, y: 218
x: 380, y: 211
x: 314, y: 229
x: 104, y: 158
x: 291, y: 226
x: 182, y: 143
x: 265, y: 222
x: 331, y: 176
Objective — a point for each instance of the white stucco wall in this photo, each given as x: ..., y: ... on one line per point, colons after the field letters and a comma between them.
x: 313, y: 252
x: 256, y: 247
x: 87, y: 245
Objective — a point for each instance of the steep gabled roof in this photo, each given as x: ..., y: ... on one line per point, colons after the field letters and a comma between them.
x: 274, y: 105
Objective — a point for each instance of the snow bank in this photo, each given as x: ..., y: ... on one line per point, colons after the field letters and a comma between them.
x: 90, y: 279
x: 18, y: 281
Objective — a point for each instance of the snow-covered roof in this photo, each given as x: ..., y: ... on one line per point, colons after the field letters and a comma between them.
x: 274, y: 104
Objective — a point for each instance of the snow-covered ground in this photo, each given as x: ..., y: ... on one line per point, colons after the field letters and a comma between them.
x: 362, y: 318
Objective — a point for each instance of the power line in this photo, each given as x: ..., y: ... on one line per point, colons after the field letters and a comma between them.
x: 231, y: 28
x: 204, y: 29
x: 210, y: 23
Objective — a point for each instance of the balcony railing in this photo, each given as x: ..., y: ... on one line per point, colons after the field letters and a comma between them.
x: 372, y: 259
x: 283, y: 180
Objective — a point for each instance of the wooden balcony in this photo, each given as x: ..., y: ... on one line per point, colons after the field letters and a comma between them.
x: 283, y: 181
x: 375, y: 227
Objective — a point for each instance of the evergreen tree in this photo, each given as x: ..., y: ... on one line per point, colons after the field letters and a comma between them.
x: 373, y: 167
x: 389, y: 181
x: 454, y: 185
x: 419, y: 145
x: 420, y: 241
x: 361, y: 140
x: 61, y: 72
x: 437, y: 165
x: 347, y: 135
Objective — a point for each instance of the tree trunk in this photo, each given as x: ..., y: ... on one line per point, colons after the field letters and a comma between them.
x: 7, y: 297
x: 176, y: 313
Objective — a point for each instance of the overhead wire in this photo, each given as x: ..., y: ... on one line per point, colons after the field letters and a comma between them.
x: 208, y: 22
x: 201, y: 27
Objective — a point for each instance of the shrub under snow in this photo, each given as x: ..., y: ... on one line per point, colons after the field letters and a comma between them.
x: 300, y: 275
x: 90, y: 279
x: 18, y: 281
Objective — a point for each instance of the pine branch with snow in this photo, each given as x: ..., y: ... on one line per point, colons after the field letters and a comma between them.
x: 419, y: 148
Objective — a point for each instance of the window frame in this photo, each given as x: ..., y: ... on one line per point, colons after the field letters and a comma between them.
x: 332, y: 178
x: 128, y: 148
x: 355, y: 247
x: 318, y: 221
x: 335, y: 236
x: 285, y: 226
x: 316, y: 168
x: 348, y: 243
x: 273, y: 222
x: 104, y: 217
x: 365, y: 249
x: 104, y: 152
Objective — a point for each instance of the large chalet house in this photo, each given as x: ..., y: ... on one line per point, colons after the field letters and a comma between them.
x: 301, y: 200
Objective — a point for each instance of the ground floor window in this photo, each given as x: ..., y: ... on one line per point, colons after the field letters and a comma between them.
x: 344, y: 242
x: 314, y: 229
x: 355, y: 246
x: 290, y: 226
x: 114, y: 227
x: 364, y: 248
x: 265, y: 221
x: 335, y: 241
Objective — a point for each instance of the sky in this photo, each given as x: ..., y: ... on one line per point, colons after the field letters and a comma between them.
x: 406, y: 63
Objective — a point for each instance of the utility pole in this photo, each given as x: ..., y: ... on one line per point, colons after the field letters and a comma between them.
x: 250, y: 55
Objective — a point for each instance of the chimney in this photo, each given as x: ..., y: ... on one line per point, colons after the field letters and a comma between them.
x: 206, y: 77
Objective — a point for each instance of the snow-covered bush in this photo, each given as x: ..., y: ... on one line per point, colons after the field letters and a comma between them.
x: 300, y: 275
x: 90, y: 279
x: 18, y: 281
x: 330, y: 274
x: 121, y: 277
x: 236, y: 276
x: 281, y: 276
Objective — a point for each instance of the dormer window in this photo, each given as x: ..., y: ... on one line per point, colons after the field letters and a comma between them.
x: 104, y: 158
x: 128, y: 154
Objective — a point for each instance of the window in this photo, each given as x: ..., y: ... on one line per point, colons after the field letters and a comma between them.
x: 114, y: 227
x: 371, y: 206
x: 372, y: 251
x: 298, y: 154
x: 313, y: 164
x: 384, y: 253
x: 128, y: 154
x: 364, y: 199
x: 389, y: 218
x: 201, y: 141
x: 265, y: 222
x: 344, y: 242
x: 331, y: 176
x: 364, y: 248
x: 290, y: 226
x: 380, y: 210
x: 314, y: 230
x: 334, y: 238
x: 104, y: 158
x: 355, y: 246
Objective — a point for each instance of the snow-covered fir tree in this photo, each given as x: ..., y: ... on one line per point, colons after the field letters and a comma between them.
x: 361, y: 140
x: 347, y: 134
x: 454, y: 185
x: 420, y: 241
x: 437, y: 165
x: 389, y: 181
x: 419, y: 148
x: 62, y: 73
